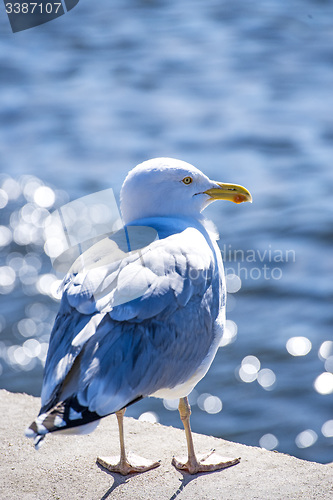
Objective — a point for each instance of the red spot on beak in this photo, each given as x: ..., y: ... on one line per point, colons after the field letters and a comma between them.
x: 239, y: 198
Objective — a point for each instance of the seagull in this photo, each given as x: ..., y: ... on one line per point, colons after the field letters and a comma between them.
x: 147, y: 323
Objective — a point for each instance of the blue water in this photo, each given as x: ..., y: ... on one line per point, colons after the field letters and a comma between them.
x: 243, y: 90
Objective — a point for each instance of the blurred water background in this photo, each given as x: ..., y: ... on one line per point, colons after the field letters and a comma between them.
x: 243, y: 90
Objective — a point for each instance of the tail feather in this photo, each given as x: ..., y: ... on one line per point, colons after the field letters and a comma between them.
x: 64, y: 415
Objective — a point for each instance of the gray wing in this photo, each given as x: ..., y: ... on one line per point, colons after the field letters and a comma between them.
x: 130, y: 329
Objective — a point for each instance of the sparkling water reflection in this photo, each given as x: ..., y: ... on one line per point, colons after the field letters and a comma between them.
x: 243, y: 93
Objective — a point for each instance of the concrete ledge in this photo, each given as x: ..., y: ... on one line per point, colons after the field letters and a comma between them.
x: 65, y: 467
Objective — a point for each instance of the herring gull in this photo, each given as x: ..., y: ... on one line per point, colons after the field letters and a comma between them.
x: 106, y: 353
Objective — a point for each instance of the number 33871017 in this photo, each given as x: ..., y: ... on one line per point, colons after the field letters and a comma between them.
x: 31, y: 8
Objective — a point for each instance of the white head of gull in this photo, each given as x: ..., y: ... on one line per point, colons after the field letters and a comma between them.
x: 106, y: 354
x: 165, y: 187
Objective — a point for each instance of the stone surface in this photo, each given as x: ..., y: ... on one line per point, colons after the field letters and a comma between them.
x: 65, y: 467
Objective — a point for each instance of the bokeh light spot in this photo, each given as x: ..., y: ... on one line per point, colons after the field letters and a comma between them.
x: 327, y: 429
x: 325, y: 350
x: 233, y: 283
x: 44, y: 196
x: 268, y: 442
x: 212, y: 404
x: 54, y: 247
x: 306, y: 438
x: 27, y: 327
x: 266, y: 378
x: 45, y: 283
x: 298, y: 346
x: 32, y: 348
x: 208, y: 403
x: 149, y: 416
x: 5, y: 236
x: 171, y: 404
x: 12, y: 188
x: 248, y: 371
x: 324, y: 383
x: 251, y: 361
x: 201, y: 400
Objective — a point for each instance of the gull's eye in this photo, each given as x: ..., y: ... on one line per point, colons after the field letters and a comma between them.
x: 187, y: 180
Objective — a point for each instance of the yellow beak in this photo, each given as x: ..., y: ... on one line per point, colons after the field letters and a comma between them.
x: 232, y: 192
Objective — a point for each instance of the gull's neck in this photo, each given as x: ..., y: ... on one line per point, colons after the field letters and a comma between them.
x: 166, y: 226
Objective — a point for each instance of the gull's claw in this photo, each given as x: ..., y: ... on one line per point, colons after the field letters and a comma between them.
x: 133, y: 464
x: 215, y: 462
